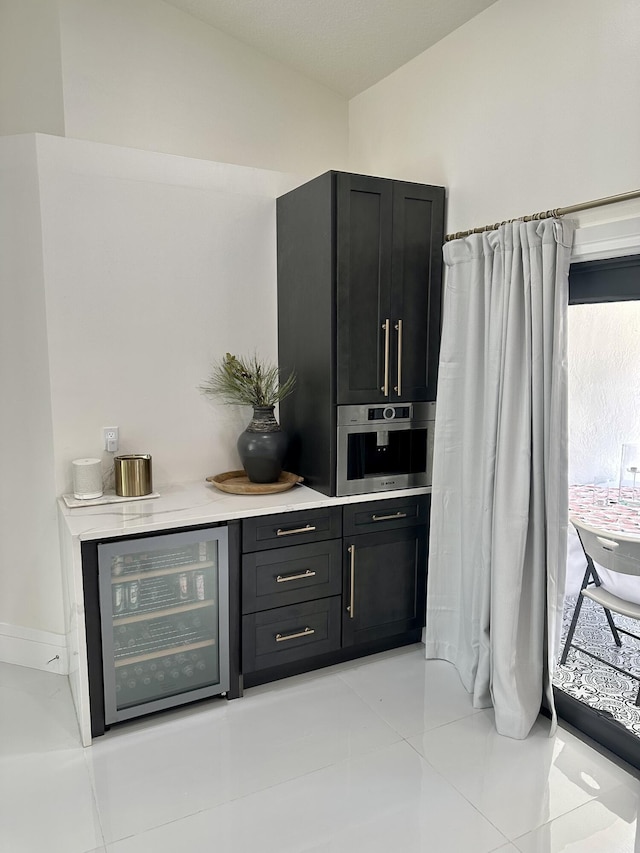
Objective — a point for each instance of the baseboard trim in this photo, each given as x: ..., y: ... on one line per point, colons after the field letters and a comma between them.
x: 35, y: 649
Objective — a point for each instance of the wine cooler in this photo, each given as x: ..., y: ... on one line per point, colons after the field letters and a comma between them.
x: 164, y: 604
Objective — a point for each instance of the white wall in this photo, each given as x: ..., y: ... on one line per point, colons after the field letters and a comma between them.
x: 154, y: 265
x: 30, y: 68
x: 30, y: 590
x: 124, y: 274
x: 604, y: 388
x: 528, y: 106
x: 142, y: 74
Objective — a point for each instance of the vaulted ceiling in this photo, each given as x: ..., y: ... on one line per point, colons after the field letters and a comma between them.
x: 347, y: 45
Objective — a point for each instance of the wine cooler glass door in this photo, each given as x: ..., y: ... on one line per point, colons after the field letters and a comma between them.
x: 164, y: 602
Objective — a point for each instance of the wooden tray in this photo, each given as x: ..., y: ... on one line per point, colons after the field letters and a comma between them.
x: 237, y: 483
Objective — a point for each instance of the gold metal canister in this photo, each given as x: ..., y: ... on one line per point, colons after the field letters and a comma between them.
x: 133, y: 475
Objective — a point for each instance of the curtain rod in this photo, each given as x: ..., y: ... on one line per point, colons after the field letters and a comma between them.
x: 546, y: 214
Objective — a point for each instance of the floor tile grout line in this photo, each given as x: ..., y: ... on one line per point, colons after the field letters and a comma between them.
x: 373, y: 708
x: 510, y: 840
x: 451, y: 722
x: 515, y: 840
x: 94, y: 796
x: 462, y: 794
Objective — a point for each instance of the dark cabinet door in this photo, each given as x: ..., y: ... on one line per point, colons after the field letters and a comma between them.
x: 389, y: 238
x: 363, y: 263
x: 384, y: 584
x: 416, y: 290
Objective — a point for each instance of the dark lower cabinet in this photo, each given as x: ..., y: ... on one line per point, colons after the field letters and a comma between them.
x: 355, y: 586
x: 306, y: 589
x: 384, y: 584
x: 291, y: 590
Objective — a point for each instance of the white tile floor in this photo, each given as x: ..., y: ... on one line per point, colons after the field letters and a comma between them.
x: 383, y: 754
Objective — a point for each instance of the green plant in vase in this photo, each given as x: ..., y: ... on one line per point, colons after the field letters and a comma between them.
x: 250, y: 381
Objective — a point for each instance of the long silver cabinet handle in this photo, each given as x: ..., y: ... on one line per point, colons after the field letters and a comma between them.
x: 387, y: 327
x: 299, y: 577
x: 307, y: 529
x: 352, y: 582
x: 388, y: 517
x: 398, y: 388
x: 282, y: 638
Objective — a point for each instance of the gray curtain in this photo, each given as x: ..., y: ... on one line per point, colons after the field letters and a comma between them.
x: 499, y: 512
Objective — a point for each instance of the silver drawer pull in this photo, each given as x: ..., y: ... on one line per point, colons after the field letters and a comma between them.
x: 307, y: 529
x: 281, y: 638
x: 388, y: 517
x: 299, y: 577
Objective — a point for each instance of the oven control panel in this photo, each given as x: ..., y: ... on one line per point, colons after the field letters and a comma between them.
x: 389, y: 413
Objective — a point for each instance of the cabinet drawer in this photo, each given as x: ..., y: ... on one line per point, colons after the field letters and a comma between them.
x: 289, y: 575
x: 386, y: 515
x: 290, y: 528
x: 287, y: 634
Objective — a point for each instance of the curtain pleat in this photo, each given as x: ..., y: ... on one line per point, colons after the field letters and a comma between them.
x: 499, y: 499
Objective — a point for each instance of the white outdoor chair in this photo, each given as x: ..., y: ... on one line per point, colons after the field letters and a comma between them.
x: 617, y: 553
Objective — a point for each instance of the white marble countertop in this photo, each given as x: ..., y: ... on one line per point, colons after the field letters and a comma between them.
x: 192, y: 503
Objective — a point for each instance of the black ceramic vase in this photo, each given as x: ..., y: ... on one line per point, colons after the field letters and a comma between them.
x: 262, y: 446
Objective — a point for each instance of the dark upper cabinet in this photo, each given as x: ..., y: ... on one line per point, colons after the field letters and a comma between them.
x: 389, y: 238
x: 363, y: 255
x: 359, y: 300
x: 416, y: 287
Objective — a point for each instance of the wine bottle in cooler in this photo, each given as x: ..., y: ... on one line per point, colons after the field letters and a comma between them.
x: 200, y: 590
x: 133, y: 595
x: 183, y: 586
